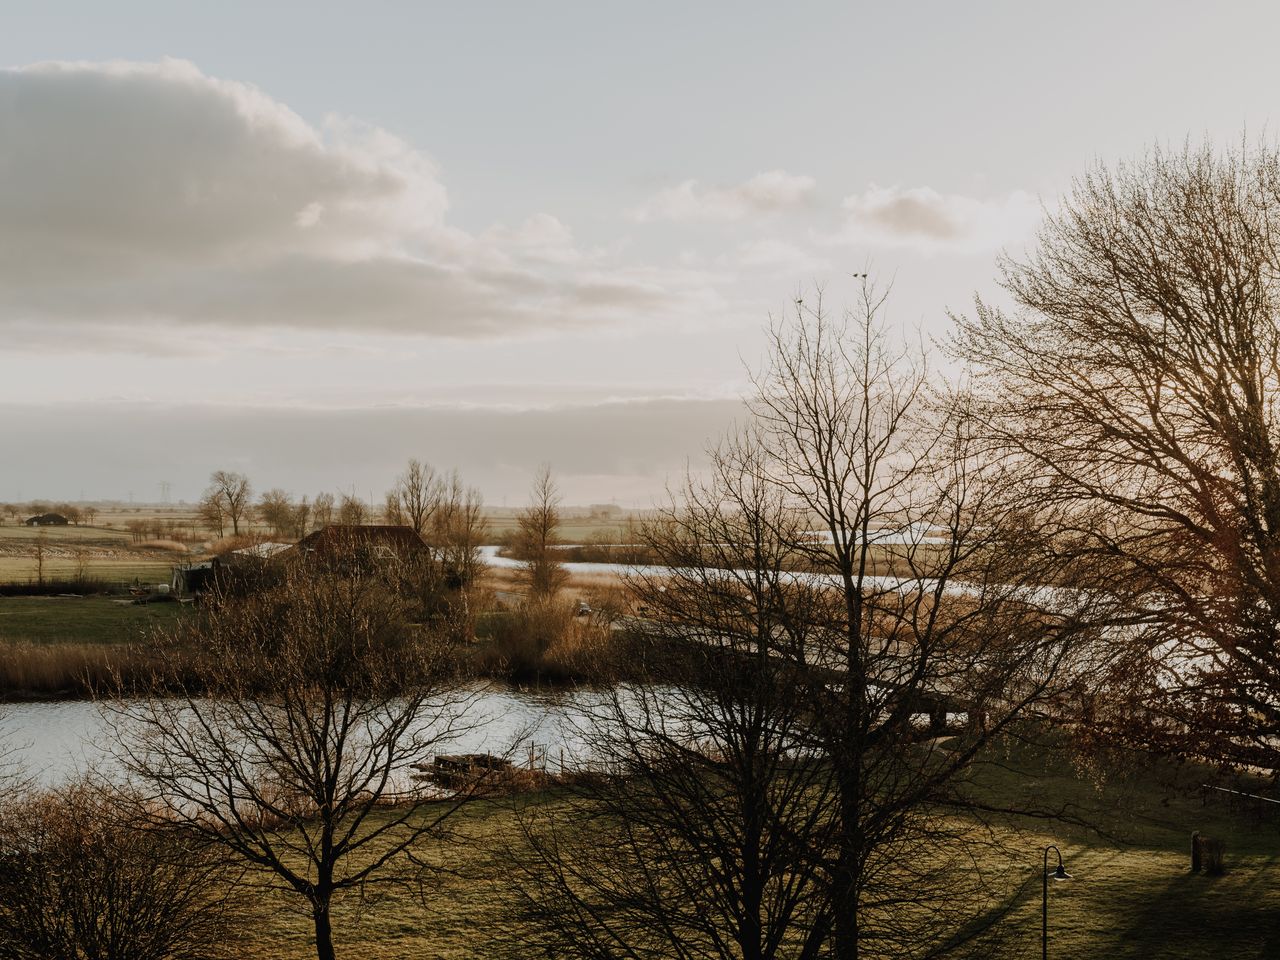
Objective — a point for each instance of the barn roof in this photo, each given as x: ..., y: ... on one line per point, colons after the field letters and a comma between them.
x: 403, y: 541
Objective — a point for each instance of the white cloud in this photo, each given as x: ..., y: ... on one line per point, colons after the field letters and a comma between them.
x: 924, y: 219
x: 541, y: 238
x: 781, y: 257
x: 145, y: 193
x: 688, y: 201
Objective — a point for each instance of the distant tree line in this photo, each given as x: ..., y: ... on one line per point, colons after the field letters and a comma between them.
x: 74, y: 513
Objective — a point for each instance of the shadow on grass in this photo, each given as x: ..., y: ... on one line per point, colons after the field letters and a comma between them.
x: 1197, y: 915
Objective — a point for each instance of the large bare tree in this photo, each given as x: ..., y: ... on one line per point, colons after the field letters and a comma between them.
x: 855, y: 552
x: 322, y: 510
x: 277, y: 511
x: 290, y: 742
x: 690, y: 841
x: 1135, y: 384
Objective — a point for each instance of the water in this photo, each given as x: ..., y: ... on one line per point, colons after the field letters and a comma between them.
x: 55, y: 742
x: 490, y: 555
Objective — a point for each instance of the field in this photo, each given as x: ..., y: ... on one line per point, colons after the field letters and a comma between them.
x: 73, y: 646
x: 86, y: 620
x: 106, y: 551
x: 105, y: 554
x: 576, y: 526
x: 1131, y: 895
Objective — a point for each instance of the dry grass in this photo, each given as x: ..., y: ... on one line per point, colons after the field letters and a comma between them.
x: 546, y: 642
x: 173, y: 546
x: 70, y: 669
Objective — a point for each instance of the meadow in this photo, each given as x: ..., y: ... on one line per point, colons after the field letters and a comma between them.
x: 1131, y: 894
x: 105, y: 552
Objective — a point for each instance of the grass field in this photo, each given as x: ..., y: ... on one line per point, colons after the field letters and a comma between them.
x: 104, y: 554
x: 1131, y: 895
x: 81, y: 620
x: 574, y: 528
x: 107, y: 553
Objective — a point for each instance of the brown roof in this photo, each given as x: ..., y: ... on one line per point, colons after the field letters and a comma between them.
x: 402, y: 541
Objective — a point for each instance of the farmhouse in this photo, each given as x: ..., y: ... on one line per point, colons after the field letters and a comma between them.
x: 47, y: 520
x: 379, y: 542
x: 252, y: 567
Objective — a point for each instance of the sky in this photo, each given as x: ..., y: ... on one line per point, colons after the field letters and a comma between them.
x: 309, y: 241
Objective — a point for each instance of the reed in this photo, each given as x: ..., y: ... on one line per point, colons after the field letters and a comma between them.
x: 73, y: 669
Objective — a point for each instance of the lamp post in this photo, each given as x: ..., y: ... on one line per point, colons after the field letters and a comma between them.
x: 1058, y: 874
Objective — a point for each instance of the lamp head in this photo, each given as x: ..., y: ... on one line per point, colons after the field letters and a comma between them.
x: 1061, y: 873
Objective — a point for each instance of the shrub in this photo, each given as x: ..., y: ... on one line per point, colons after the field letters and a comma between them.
x: 80, y: 878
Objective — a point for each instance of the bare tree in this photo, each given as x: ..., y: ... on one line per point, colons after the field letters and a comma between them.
x: 276, y: 510
x: 291, y: 743
x: 415, y: 498
x: 458, y: 529
x: 39, y: 551
x: 301, y: 519
x: 80, y: 559
x: 857, y: 553
x: 322, y: 511
x: 447, y: 575
x: 1137, y: 388
x: 353, y: 511
x: 213, y: 515
x: 696, y: 845
x: 80, y: 879
x: 90, y: 514
x: 537, y: 535
x: 233, y: 496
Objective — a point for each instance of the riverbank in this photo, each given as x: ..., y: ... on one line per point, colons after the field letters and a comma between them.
x: 70, y: 647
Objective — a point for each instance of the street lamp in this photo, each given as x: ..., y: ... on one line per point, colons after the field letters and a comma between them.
x: 1058, y: 874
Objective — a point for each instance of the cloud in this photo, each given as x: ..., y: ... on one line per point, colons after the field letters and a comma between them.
x: 924, y: 219
x: 778, y: 256
x: 764, y: 193
x: 151, y: 193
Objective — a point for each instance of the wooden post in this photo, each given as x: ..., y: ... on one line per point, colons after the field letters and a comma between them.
x: 1195, y: 852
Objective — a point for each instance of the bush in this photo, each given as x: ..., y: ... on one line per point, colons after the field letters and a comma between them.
x: 546, y: 642
x: 80, y: 878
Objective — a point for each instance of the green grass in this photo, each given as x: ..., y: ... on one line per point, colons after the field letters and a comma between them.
x: 1131, y: 895
x: 86, y: 620
x: 460, y: 912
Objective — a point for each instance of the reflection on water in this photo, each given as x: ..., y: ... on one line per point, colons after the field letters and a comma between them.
x: 56, y: 741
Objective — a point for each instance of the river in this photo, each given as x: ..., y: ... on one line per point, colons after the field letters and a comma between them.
x: 54, y: 742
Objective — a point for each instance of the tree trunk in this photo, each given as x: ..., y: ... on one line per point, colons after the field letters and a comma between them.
x: 324, y: 931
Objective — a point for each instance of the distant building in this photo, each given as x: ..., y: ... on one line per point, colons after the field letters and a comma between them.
x: 255, y: 567
x: 383, y: 541
x: 47, y: 520
x: 235, y: 570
